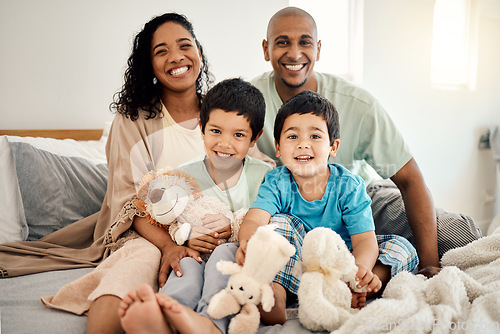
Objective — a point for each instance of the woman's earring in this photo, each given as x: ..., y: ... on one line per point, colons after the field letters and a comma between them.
x: 155, y: 81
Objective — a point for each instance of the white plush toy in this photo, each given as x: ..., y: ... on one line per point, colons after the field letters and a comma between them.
x: 267, y: 253
x: 327, y: 265
x: 173, y: 199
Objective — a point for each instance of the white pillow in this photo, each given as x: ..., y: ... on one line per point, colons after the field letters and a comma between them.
x: 12, y: 226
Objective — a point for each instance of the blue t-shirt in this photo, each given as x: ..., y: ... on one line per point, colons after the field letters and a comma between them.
x: 345, y: 206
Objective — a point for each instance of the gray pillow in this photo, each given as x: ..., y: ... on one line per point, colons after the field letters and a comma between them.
x: 56, y: 190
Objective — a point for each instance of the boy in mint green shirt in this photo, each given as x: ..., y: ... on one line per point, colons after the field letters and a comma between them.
x: 231, y: 121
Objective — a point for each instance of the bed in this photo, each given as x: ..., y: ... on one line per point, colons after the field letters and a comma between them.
x: 34, y: 163
x: 464, y: 297
x: 75, y: 159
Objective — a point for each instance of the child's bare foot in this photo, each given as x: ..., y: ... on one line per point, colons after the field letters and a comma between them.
x: 140, y: 313
x: 184, y: 319
x: 358, y: 299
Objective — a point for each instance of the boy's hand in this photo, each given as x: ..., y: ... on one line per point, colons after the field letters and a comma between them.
x: 252, y: 221
x: 364, y: 276
x: 218, y: 223
x: 241, y: 252
x: 205, y: 238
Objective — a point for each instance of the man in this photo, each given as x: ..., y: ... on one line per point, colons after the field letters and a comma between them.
x: 367, y: 134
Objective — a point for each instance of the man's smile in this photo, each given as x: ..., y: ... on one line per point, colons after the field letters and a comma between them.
x: 295, y: 67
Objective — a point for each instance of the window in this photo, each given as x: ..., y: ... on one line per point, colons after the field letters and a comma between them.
x: 340, y: 29
x: 454, y: 45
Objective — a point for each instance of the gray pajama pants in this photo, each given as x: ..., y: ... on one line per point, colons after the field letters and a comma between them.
x: 453, y: 229
x: 199, y: 282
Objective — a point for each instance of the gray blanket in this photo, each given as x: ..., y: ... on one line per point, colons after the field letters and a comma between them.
x: 22, y: 312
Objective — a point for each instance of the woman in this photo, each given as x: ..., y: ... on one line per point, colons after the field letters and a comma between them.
x: 161, y: 101
x: 156, y: 125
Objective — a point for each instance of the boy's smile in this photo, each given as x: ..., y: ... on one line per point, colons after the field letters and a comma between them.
x: 304, y: 158
x: 305, y: 145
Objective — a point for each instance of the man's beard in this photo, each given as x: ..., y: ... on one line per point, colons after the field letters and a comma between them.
x: 294, y: 86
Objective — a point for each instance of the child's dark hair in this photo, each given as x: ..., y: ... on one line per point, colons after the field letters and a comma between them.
x: 235, y: 95
x: 309, y: 102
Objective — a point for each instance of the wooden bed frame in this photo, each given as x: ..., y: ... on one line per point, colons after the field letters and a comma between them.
x: 77, y: 134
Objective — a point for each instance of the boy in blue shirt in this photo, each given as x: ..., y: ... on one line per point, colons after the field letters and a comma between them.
x: 308, y: 192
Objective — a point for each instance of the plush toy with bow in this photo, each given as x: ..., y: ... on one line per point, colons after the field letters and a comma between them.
x: 327, y: 265
x: 249, y: 285
x: 172, y: 198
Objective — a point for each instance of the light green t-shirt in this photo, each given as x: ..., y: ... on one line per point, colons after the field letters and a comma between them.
x: 367, y: 133
x: 243, y: 194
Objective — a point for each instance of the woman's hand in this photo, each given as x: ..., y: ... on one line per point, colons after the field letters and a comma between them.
x: 364, y: 276
x: 205, y: 238
x: 170, y: 256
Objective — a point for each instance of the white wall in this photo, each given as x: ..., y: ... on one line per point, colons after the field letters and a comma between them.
x: 441, y: 127
x: 62, y: 61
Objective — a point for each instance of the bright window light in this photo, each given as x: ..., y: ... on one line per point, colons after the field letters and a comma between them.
x: 340, y: 29
x: 453, y: 45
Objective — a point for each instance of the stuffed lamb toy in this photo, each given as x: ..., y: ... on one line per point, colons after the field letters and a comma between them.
x: 327, y: 265
x: 173, y: 199
x: 249, y: 285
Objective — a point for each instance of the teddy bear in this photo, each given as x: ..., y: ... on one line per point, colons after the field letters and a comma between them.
x: 172, y: 198
x: 323, y: 295
x: 266, y: 254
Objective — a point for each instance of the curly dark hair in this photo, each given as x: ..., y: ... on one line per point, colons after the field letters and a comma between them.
x: 139, y: 90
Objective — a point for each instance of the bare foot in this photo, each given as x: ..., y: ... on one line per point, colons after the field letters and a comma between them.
x: 140, y: 313
x: 184, y: 319
x: 358, y: 299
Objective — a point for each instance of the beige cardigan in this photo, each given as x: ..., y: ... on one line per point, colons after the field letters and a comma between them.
x: 89, y: 241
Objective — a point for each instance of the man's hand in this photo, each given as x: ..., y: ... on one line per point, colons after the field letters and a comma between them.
x: 170, y: 257
x: 429, y: 271
x: 420, y: 211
